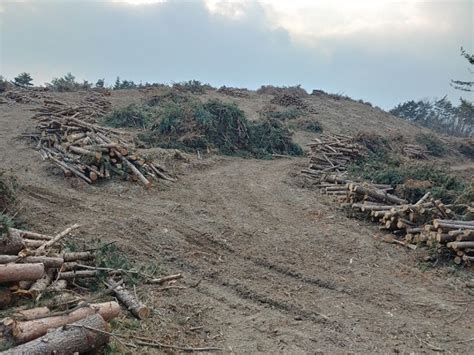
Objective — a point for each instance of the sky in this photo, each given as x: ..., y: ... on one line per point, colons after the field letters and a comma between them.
x: 384, y: 52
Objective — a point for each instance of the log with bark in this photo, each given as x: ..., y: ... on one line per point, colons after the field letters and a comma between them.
x: 85, y: 335
x: 11, y: 243
x: 21, y: 272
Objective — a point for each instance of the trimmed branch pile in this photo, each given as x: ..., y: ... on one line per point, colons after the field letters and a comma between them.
x: 427, y: 222
x: 415, y: 151
x: 332, y: 153
x: 89, y: 151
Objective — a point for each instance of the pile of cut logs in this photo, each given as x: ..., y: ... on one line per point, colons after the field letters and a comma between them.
x: 23, y: 96
x: 332, y: 153
x: 32, y: 265
x: 415, y: 151
x: 426, y: 222
x: 91, y: 152
x: 288, y: 100
x: 89, y: 109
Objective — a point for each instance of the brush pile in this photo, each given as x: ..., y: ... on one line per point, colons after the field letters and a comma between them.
x: 427, y: 222
x: 89, y: 151
x: 415, y: 151
x: 332, y: 153
x: 33, y: 265
x: 23, y: 96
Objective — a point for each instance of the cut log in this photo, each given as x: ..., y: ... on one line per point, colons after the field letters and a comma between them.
x: 41, y: 284
x: 137, y: 308
x: 21, y: 272
x: 19, y: 332
x: 79, y: 255
x: 48, y: 262
x: 31, y: 235
x: 379, y: 196
x: 70, y: 275
x: 31, y: 314
x: 11, y: 243
x: 76, y: 338
x: 32, y: 243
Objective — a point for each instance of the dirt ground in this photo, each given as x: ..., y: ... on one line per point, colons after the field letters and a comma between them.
x: 281, y: 268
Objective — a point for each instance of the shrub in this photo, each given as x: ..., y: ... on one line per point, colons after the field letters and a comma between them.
x: 296, y: 90
x: 131, y: 116
x: 124, y: 84
x: 68, y: 83
x: 166, y: 98
x: 433, y: 144
x: 219, y: 125
x: 373, y: 142
x: 467, y: 148
x: 193, y: 86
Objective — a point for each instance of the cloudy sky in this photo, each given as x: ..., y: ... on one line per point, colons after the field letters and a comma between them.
x: 380, y: 51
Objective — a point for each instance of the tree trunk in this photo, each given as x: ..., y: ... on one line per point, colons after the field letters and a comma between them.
x: 21, y: 272
x: 78, y: 255
x: 32, y: 313
x: 75, y: 338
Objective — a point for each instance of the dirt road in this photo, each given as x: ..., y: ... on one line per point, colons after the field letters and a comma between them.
x: 280, y: 268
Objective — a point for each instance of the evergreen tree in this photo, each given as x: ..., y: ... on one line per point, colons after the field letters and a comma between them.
x: 460, y: 84
x: 24, y: 80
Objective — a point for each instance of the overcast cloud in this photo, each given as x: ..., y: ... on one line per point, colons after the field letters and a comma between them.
x: 380, y: 51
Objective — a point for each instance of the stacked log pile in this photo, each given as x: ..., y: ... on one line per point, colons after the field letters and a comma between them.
x: 415, y: 151
x: 89, y: 151
x: 286, y: 100
x: 89, y: 109
x: 332, y: 153
x: 427, y: 222
x: 33, y: 265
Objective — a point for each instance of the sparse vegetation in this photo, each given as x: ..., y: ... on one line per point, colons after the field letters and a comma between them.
x: 23, y: 80
x: 284, y: 115
x: 124, y: 84
x: 310, y: 125
x: 296, y: 90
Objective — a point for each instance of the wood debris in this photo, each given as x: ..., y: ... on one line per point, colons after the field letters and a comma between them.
x: 332, y: 153
x: 415, y: 151
x: 428, y: 222
x: 89, y: 151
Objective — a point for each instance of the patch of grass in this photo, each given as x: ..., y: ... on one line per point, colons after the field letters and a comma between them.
x: 137, y: 116
x: 433, y: 144
x: 221, y: 126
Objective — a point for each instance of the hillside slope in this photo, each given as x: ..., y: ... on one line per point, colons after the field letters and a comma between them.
x: 280, y: 269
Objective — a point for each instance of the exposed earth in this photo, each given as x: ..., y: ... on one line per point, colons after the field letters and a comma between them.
x: 271, y: 266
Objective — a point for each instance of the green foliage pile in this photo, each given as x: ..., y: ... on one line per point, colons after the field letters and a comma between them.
x: 193, y: 86
x: 386, y: 168
x: 433, y: 144
x: 68, y: 83
x: 171, y: 96
x: 467, y: 148
x: 221, y: 126
x: 136, y: 116
x: 23, y: 80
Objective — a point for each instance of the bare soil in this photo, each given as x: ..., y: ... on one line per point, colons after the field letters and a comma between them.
x: 281, y: 268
